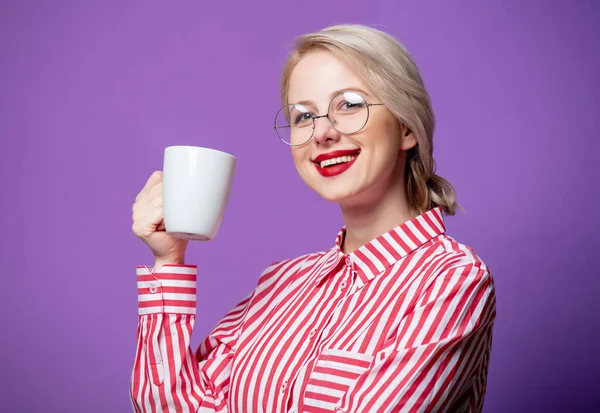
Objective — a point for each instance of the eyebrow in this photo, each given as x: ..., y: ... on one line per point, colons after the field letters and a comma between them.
x: 333, y: 94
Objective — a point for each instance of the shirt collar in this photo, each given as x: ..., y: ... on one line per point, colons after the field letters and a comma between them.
x: 382, y: 252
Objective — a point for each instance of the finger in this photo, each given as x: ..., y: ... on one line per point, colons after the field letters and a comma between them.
x: 153, y: 180
x: 157, y: 202
x: 156, y: 190
x: 156, y: 216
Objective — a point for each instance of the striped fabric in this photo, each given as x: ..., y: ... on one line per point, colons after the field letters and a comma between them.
x: 402, y: 324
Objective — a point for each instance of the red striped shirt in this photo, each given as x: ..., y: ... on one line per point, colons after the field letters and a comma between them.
x: 402, y: 324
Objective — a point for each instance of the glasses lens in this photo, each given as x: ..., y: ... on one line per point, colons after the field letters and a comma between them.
x: 294, y: 124
x: 348, y: 112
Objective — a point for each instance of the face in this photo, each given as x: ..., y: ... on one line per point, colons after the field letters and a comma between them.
x: 374, y: 156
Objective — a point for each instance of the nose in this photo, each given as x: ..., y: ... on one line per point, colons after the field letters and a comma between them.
x: 324, y: 131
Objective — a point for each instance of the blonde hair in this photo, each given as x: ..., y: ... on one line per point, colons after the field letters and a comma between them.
x: 389, y: 71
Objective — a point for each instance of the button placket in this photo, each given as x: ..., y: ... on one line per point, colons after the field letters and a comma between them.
x: 153, y: 288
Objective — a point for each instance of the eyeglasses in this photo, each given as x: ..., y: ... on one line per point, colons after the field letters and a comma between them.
x: 348, y: 113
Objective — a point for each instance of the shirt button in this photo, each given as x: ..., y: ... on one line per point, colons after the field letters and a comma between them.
x: 153, y: 289
x: 284, y: 386
x: 343, y: 285
x: 312, y: 333
x: 348, y: 262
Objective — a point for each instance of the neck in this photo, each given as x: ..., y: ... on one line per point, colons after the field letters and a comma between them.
x: 368, y: 220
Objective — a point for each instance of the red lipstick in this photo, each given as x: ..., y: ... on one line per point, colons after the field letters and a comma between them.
x: 333, y: 170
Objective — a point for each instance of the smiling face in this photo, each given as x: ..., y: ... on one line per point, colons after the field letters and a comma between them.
x: 348, y: 169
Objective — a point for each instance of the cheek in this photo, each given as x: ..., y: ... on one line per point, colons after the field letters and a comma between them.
x: 384, y: 160
x: 385, y: 142
x: 297, y: 156
x: 300, y: 158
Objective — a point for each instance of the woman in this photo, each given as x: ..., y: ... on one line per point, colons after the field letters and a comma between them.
x: 396, y: 316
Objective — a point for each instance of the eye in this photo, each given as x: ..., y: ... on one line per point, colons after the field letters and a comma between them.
x: 351, y: 105
x: 348, y: 102
x: 302, y: 119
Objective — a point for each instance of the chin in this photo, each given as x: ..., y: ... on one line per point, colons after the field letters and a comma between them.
x: 347, y: 189
x: 338, y: 194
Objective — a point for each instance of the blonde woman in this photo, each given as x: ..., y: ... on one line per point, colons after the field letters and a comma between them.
x: 396, y: 317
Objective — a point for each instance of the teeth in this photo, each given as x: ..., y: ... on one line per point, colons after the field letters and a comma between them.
x: 335, y: 161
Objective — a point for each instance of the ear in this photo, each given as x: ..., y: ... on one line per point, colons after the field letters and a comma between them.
x: 408, y: 139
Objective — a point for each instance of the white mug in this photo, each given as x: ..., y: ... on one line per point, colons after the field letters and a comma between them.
x: 196, y: 186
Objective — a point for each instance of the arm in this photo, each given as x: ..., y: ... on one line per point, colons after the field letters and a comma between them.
x: 438, y: 360
x: 166, y: 375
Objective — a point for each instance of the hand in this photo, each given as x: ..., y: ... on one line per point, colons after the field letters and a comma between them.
x: 149, y: 225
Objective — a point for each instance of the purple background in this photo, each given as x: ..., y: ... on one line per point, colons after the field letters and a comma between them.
x: 92, y: 92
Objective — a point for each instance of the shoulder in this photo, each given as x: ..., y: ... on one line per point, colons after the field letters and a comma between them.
x: 287, y: 269
x: 458, y: 280
x: 454, y: 254
x: 457, y: 265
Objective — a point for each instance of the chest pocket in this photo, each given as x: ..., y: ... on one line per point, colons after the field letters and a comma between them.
x: 334, y: 373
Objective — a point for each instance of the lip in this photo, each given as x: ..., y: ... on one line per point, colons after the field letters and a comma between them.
x: 335, y: 154
x: 337, y: 169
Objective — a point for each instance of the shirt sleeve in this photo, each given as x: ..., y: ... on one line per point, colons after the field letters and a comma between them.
x: 438, y: 360
x: 166, y: 375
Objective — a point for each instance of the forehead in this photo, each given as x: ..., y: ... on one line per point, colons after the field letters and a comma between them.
x: 318, y: 74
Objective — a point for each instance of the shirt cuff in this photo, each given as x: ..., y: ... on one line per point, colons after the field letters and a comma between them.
x: 171, y: 290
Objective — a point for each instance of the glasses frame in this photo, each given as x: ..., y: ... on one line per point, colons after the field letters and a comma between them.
x: 314, y: 117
